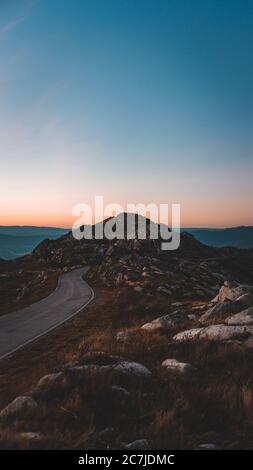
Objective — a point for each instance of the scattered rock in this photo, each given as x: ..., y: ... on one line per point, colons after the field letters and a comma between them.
x: 215, y: 333
x: 140, y: 444
x: 176, y: 366
x: 188, y: 335
x: 132, y: 369
x: 49, y: 381
x: 20, y: 404
x: 219, y: 310
x: 166, y: 322
x: 228, y: 307
x: 120, y: 370
x: 243, y: 318
x: 232, y: 291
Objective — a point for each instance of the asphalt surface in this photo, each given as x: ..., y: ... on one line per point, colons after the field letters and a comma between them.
x: 27, y: 324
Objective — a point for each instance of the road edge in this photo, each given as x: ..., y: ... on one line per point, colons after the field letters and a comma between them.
x: 7, y: 355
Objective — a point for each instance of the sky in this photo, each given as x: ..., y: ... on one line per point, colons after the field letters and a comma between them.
x: 140, y: 101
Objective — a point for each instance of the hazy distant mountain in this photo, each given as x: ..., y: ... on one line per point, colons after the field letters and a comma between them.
x: 240, y: 237
x: 27, y: 231
x: 18, y: 241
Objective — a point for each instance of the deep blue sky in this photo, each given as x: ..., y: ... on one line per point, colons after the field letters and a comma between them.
x: 137, y: 100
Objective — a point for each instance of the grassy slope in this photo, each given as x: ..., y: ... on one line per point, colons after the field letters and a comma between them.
x: 214, y: 404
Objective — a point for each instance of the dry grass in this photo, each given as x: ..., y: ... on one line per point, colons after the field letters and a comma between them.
x: 214, y: 404
x: 24, y: 282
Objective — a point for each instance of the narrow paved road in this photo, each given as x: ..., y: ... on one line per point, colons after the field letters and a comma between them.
x: 25, y: 325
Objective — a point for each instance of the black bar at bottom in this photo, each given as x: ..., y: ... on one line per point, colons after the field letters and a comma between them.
x: 108, y: 459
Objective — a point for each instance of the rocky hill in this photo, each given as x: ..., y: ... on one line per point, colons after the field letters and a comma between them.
x: 194, y: 270
x: 161, y: 360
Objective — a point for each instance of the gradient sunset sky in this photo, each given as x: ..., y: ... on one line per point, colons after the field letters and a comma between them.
x: 136, y: 100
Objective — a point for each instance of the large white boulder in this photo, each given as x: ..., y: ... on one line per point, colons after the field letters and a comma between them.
x: 243, y: 318
x: 186, y: 335
x: 215, y: 333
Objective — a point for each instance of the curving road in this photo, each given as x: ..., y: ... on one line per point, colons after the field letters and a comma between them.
x: 27, y: 324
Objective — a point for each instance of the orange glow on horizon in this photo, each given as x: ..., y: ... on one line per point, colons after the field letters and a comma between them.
x: 224, y: 217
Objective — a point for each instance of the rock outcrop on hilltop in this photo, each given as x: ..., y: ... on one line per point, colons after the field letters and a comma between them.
x: 192, y: 271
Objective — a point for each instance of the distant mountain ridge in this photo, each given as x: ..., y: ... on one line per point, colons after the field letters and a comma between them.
x: 30, y: 230
x: 18, y: 241
x: 239, y: 237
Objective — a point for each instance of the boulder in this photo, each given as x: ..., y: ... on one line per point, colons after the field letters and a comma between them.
x: 176, y: 366
x: 166, y: 322
x: 232, y: 291
x: 50, y: 381
x: 215, y: 333
x: 243, y: 318
x: 132, y: 370
x: 140, y: 444
x: 120, y: 393
x: 188, y: 335
x: 122, y: 369
x: 228, y: 307
x: 20, y: 404
x: 217, y: 311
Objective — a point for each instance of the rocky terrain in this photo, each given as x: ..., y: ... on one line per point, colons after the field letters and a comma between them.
x: 162, y: 360
x: 193, y: 271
